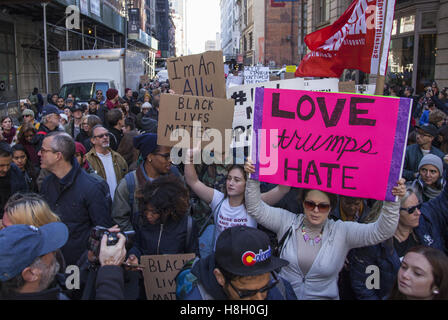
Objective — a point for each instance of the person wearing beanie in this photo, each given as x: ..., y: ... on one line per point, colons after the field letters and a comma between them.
x: 414, y: 153
x: 156, y: 163
x: 243, y: 267
x: 429, y: 182
x: 112, y: 98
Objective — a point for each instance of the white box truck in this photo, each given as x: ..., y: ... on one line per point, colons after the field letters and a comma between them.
x: 82, y: 72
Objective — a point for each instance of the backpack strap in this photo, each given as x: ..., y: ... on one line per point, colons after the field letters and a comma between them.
x: 282, y: 241
x: 189, y: 229
x: 130, y: 182
x: 212, y: 214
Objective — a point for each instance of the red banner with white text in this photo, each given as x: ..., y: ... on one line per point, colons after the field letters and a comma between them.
x: 351, y: 42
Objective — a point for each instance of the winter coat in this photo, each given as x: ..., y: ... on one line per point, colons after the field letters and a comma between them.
x: 413, y: 157
x: 82, y: 202
x: 41, y: 134
x: 206, y: 287
x: 120, y: 165
x: 338, y: 238
x: 115, y: 137
x: 14, y: 181
x: 383, y: 256
x: 166, y: 238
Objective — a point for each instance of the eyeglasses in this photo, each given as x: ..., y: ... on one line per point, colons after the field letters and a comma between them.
x: 27, y: 115
x: 165, y: 155
x: 42, y: 150
x: 311, y: 205
x: 411, y: 210
x: 100, y: 136
x: 249, y: 293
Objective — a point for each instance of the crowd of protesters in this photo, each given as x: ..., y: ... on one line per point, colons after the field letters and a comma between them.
x: 70, y: 174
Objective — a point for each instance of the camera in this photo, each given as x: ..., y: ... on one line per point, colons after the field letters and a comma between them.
x: 96, y: 234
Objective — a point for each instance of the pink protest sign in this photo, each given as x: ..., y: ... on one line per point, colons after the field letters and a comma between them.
x: 347, y: 144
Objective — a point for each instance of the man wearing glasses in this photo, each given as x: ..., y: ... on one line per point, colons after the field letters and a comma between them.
x: 107, y: 163
x: 242, y: 268
x: 81, y: 200
x: 50, y: 122
x: 415, y: 153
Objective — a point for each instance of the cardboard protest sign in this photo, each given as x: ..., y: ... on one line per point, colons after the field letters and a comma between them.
x: 244, y: 101
x: 256, y: 74
x: 180, y: 111
x: 233, y: 80
x: 160, y: 272
x: 144, y: 79
x: 347, y: 86
x: 347, y: 144
x: 198, y: 75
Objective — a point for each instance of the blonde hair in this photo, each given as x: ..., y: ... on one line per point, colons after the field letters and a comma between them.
x: 29, y: 209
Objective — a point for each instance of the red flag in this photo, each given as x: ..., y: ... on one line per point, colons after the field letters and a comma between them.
x: 351, y: 42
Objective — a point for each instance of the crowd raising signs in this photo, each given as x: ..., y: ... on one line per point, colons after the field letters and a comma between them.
x: 347, y: 144
x: 198, y: 75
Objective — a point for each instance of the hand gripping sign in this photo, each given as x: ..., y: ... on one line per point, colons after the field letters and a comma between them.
x: 347, y: 144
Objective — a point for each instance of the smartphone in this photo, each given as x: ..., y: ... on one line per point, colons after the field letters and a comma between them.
x: 22, y: 100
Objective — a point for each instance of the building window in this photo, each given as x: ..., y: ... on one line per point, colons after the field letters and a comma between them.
x: 407, y: 24
x: 401, y: 59
x: 429, y: 20
x: 245, y: 44
x: 250, y: 41
x: 324, y: 10
x: 426, y: 60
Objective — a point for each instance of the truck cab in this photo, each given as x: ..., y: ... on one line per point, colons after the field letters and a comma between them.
x: 84, y: 91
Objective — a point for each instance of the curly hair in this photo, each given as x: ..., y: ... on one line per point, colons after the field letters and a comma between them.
x: 167, y: 195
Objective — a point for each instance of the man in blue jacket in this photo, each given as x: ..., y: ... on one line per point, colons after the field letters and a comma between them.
x: 79, y: 199
x: 242, y: 268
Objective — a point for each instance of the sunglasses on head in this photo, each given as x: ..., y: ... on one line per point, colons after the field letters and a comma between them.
x: 411, y: 210
x: 311, y: 205
x: 249, y: 293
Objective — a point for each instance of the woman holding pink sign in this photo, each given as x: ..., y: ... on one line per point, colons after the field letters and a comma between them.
x: 315, y: 246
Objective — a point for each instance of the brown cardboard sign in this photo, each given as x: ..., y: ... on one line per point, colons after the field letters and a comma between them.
x: 144, y: 79
x: 183, y: 112
x: 160, y: 272
x: 198, y: 75
x: 347, y: 86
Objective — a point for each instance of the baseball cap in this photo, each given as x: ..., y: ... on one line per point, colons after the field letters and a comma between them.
x: 246, y: 251
x: 21, y: 244
x: 49, y: 109
x: 428, y: 128
x: 77, y: 107
x: 28, y: 112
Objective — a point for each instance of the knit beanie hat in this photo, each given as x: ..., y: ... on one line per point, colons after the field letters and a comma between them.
x: 111, y: 93
x: 433, y: 160
x: 146, y: 143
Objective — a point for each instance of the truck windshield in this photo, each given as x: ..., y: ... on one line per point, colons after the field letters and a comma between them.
x: 82, y: 91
